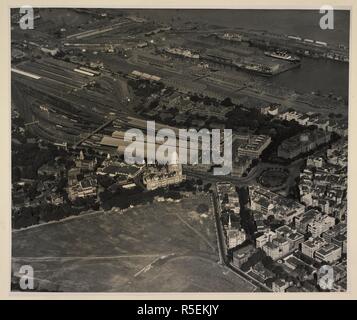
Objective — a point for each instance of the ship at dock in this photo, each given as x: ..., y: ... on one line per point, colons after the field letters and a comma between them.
x: 256, y: 68
x: 283, y: 55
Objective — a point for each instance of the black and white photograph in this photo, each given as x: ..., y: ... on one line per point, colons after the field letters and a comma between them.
x: 179, y: 150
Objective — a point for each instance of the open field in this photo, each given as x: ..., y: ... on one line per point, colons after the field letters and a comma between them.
x: 158, y: 247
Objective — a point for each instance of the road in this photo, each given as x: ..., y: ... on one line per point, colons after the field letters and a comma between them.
x: 251, y: 176
x: 208, y: 176
x: 223, y: 250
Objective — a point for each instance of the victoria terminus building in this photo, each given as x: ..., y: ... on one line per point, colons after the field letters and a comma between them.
x: 84, y: 219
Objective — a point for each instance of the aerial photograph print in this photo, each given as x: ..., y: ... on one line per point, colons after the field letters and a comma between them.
x: 179, y: 150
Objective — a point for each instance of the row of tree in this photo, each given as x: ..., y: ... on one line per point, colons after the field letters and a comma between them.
x: 28, y: 216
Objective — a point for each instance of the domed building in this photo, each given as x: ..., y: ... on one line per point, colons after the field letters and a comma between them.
x: 155, y: 176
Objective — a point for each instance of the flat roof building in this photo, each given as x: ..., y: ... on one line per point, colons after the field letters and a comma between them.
x: 310, y: 246
x: 328, y: 253
x: 302, y: 143
x: 254, y: 147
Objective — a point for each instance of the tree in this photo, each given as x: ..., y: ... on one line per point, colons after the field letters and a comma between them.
x: 32, y: 191
x: 16, y: 174
x: 61, y: 185
x: 269, y: 282
x: 268, y: 262
x: 278, y: 271
x: 207, y: 187
x: 105, y: 181
x: 243, y: 194
x: 25, y: 217
x: 253, y: 259
x: 227, y: 102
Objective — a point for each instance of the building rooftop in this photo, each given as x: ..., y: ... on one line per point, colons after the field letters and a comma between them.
x: 327, y: 249
x: 313, y: 243
x: 243, y: 251
x: 295, y: 235
x: 301, y: 139
x: 308, y: 216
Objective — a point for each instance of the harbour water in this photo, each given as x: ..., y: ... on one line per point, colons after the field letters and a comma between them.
x: 326, y: 76
x: 304, y: 23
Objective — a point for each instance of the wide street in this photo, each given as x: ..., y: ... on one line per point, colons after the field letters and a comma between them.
x: 250, y: 178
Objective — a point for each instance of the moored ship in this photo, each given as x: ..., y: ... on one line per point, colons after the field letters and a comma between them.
x: 281, y: 54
